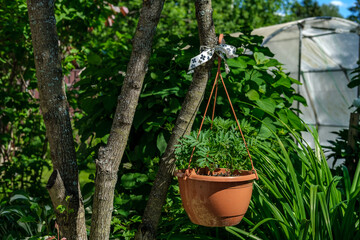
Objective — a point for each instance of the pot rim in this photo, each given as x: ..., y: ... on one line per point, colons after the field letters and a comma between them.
x: 247, y: 175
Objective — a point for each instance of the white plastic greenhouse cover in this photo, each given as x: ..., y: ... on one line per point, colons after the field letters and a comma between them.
x: 321, y: 53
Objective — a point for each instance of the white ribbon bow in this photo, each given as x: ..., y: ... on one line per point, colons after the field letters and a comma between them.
x: 207, y: 53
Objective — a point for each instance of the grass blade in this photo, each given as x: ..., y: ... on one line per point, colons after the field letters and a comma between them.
x: 325, y: 212
x: 346, y: 182
x: 235, y: 230
x: 313, y: 209
x: 356, y: 180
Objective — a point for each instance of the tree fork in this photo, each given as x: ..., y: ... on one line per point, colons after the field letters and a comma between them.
x: 109, y: 158
x: 152, y: 213
x: 54, y: 107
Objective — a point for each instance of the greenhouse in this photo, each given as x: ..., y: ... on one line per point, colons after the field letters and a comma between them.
x: 321, y: 53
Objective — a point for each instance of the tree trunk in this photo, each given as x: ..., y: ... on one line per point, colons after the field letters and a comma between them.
x: 152, y: 213
x: 63, y: 184
x: 109, y: 158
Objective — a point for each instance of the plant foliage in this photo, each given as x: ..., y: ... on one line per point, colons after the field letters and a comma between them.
x: 93, y: 35
x: 24, y: 216
x: 220, y: 146
x: 297, y: 197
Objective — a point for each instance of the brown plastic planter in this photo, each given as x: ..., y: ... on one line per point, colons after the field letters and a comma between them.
x: 215, y: 201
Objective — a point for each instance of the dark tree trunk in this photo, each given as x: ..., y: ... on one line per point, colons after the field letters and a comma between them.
x: 109, y: 158
x: 64, y: 180
x: 147, y: 229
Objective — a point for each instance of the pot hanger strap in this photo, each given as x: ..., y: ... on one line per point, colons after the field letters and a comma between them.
x: 220, y: 52
x: 207, y: 53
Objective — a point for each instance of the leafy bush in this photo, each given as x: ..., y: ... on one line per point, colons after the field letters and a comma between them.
x: 22, y: 216
x: 260, y: 89
x: 23, y: 148
x: 340, y: 149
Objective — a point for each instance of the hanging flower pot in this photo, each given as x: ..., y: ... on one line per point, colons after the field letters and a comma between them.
x: 215, y: 201
x: 218, y: 197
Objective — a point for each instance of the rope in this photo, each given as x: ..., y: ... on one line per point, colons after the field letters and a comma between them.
x: 213, y: 113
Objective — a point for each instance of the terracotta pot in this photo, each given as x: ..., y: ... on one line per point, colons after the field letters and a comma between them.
x: 215, y: 201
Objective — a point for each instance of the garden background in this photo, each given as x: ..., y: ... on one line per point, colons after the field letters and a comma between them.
x: 297, y: 197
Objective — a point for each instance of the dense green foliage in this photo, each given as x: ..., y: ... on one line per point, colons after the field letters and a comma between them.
x: 341, y: 150
x: 23, y: 148
x: 24, y: 216
x: 297, y: 196
x: 262, y: 94
x: 220, y: 146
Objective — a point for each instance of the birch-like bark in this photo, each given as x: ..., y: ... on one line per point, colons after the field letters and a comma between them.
x: 109, y: 158
x: 152, y: 213
x: 54, y: 107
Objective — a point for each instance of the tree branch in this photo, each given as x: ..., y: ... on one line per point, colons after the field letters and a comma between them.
x: 152, y: 213
x: 109, y: 158
x: 54, y: 108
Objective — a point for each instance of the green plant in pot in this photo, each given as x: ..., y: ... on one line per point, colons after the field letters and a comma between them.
x: 219, y: 147
x: 217, y: 193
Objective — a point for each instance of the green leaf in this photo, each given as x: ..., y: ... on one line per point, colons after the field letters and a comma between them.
x: 273, y: 63
x: 325, y: 212
x: 347, y: 182
x: 282, y: 115
x: 354, y: 83
x: 294, y: 120
x: 236, y: 62
x: 94, y: 59
x: 61, y: 208
x: 253, y: 95
x: 255, y: 76
x: 268, y: 105
x: 284, y: 81
x: 301, y: 99
x: 122, y: 212
x: 136, y: 197
x: 80, y: 15
x: 235, y: 231
x: 260, y: 58
x: 356, y: 180
x: 141, y: 178
x: 133, y: 180
x: 19, y: 197
x: 128, y: 181
x: 313, y: 209
x: 267, y: 128
x: 161, y: 143
x: 153, y: 75
x: 26, y: 219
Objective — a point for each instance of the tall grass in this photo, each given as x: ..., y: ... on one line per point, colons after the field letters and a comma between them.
x: 297, y: 196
